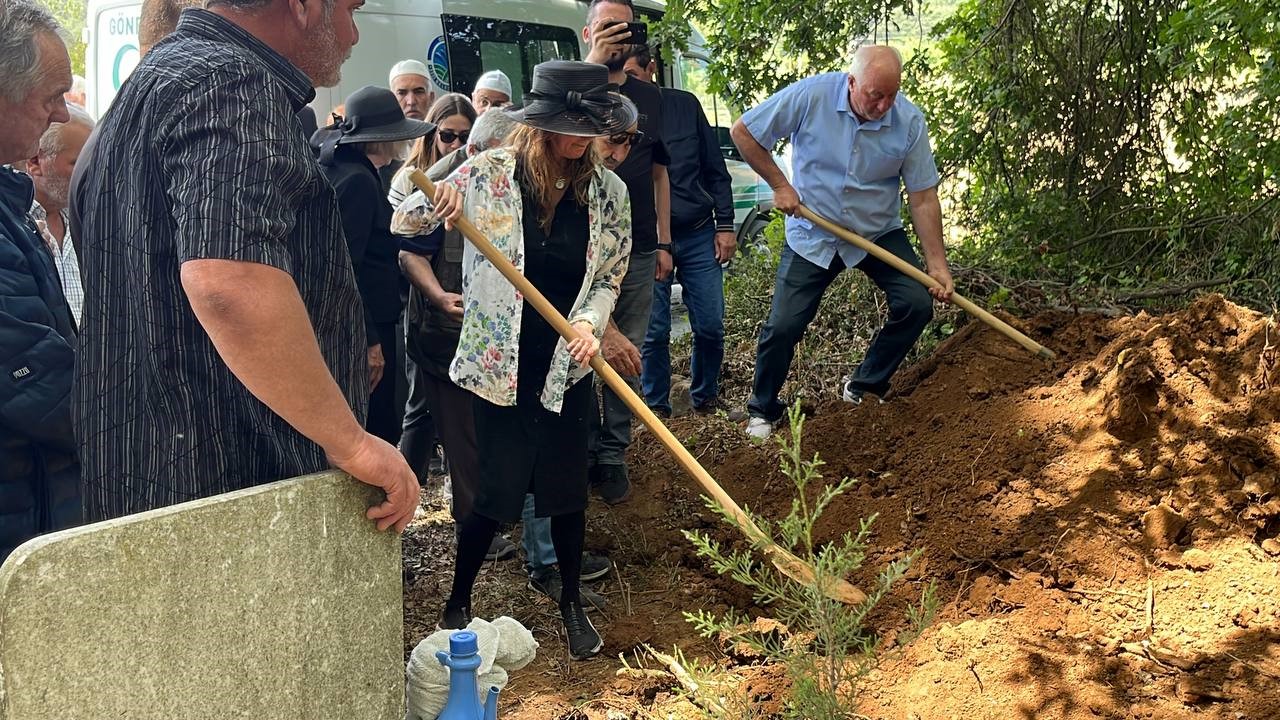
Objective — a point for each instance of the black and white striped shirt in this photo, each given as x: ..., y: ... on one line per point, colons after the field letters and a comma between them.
x: 200, y: 157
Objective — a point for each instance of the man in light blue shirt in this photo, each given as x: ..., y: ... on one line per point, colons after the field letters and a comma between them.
x: 855, y: 142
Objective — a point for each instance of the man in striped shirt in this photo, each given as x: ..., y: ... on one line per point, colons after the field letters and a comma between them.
x: 223, y: 340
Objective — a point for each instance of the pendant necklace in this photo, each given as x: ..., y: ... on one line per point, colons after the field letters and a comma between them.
x: 561, y: 183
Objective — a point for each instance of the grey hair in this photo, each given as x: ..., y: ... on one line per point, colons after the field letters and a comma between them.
x: 492, y: 126
x: 51, y: 141
x: 394, y: 149
x: 21, y: 22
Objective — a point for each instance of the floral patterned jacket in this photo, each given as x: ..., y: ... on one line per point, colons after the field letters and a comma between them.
x: 488, y: 350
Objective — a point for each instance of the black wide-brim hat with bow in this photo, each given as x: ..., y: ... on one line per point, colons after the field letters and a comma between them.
x: 373, y: 115
x: 574, y: 98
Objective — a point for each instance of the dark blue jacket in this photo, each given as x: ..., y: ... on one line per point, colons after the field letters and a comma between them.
x: 39, y: 475
x: 701, y: 187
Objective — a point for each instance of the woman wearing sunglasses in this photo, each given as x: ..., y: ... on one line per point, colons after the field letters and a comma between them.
x: 452, y: 115
x: 549, y: 205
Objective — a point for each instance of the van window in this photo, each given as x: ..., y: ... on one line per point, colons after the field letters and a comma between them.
x: 477, y: 45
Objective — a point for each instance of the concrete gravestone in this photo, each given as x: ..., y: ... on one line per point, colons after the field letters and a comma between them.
x: 280, y: 601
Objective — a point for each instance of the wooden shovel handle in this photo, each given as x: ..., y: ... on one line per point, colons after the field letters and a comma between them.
x: 924, y: 279
x: 785, y: 561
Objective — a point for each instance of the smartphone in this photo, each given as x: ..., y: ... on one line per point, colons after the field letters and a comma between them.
x: 639, y: 32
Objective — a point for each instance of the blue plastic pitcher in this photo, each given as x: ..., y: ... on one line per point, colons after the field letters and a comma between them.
x: 463, y: 659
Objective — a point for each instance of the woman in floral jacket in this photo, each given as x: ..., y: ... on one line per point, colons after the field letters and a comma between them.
x: 548, y: 204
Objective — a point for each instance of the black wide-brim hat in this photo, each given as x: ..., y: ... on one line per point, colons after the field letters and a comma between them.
x: 574, y: 98
x: 374, y: 115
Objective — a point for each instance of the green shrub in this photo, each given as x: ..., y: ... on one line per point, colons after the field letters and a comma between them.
x: 826, y: 646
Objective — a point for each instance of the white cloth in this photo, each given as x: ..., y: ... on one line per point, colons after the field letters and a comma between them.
x: 504, y: 646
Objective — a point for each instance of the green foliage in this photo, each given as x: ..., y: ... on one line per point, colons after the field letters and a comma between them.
x: 1115, y: 145
x: 1104, y: 146
x: 759, y: 46
x: 70, y: 14
x: 825, y: 647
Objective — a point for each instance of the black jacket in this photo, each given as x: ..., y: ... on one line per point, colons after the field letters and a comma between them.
x: 39, y: 476
x: 366, y: 221
x: 701, y: 188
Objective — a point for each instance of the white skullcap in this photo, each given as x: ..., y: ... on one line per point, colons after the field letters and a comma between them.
x: 495, y: 80
x: 407, y: 67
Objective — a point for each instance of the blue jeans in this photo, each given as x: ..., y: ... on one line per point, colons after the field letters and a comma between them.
x: 702, y: 278
x: 796, y: 294
x: 539, y: 552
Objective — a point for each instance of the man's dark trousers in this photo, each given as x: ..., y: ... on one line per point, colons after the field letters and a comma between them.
x: 702, y: 279
x: 796, y: 295
x: 611, y: 430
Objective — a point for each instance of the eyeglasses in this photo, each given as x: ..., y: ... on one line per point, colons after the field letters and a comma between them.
x: 448, y: 136
x: 626, y: 138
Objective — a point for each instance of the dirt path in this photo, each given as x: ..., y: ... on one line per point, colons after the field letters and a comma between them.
x: 1102, y: 531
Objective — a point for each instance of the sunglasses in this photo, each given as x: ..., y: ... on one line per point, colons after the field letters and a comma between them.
x: 448, y: 136
x: 626, y: 138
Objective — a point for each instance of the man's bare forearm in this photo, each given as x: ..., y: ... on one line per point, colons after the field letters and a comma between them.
x: 260, y: 328
x: 926, y: 217
x: 418, y: 269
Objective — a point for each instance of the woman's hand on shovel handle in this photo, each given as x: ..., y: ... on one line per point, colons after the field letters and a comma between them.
x: 448, y: 204
x: 942, y: 274
x: 585, y: 346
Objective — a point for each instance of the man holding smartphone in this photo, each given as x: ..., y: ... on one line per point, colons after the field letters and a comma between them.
x: 611, y: 40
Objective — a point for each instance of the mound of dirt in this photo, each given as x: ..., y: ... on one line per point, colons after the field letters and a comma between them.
x: 1101, y: 528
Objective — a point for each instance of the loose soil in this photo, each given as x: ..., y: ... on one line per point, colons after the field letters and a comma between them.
x: 1102, y: 530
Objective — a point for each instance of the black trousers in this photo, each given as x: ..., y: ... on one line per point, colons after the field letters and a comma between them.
x: 384, y: 411
x: 798, y: 291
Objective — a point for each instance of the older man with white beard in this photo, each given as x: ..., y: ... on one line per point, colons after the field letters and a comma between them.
x: 51, y: 170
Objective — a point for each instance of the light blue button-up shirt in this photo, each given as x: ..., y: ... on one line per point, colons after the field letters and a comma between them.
x: 846, y: 170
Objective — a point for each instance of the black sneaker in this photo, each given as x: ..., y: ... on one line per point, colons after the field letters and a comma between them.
x: 548, y: 583
x: 661, y: 412
x: 613, y: 487
x: 595, y: 567
x: 500, y: 549
x: 584, y: 641
x: 711, y: 407
x: 454, y: 618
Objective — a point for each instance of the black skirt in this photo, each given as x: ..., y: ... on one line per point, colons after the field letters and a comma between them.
x: 526, y: 448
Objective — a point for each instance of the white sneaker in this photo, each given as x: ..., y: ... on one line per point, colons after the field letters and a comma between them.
x: 854, y: 395
x: 759, y: 429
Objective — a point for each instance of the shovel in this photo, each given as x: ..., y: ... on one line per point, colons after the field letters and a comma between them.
x: 915, y: 273
x: 787, y: 563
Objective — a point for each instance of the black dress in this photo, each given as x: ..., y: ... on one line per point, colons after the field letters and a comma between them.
x: 527, y: 448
